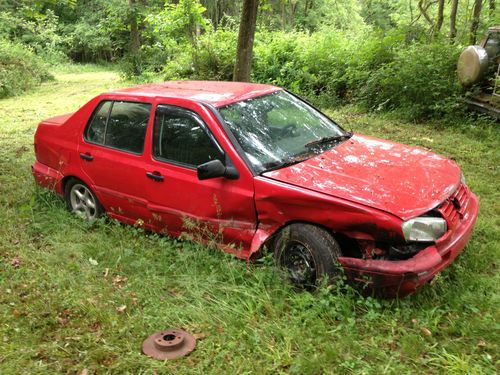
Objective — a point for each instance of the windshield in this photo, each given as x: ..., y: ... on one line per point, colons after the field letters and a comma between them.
x: 278, y: 129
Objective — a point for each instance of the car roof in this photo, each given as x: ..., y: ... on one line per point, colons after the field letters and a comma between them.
x: 217, y: 93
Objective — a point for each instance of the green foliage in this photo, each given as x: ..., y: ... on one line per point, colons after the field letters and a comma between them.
x: 420, y: 82
x: 372, y: 52
x: 20, y: 69
x: 182, y: 20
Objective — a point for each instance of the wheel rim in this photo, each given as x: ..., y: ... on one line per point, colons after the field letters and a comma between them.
x: 83, y: 202
x: 299, y: 262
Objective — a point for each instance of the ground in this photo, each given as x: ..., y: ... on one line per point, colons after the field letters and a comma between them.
x: 80, y: 298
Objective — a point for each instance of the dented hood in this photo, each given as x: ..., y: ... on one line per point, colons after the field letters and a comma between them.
x: 403, y: 180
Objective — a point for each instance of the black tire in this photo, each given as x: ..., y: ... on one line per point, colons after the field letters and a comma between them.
x: 308, y: 254
x: 77, y: 192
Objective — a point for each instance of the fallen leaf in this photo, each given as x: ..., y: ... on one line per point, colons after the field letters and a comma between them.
x: 481, y: 344
x: 106, y: 272
x: 119, y: 281
x: 426, y: 332
x: 83, y: 372
x: 16, y: 262
x: 121, y: 309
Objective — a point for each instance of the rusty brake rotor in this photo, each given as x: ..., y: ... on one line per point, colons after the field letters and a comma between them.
x: 169, y: 344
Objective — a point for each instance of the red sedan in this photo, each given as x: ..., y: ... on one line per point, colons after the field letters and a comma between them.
x: 252, y: 166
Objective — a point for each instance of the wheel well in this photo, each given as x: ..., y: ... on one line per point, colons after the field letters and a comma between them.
x: 348, y: 245
x: 65, y: 180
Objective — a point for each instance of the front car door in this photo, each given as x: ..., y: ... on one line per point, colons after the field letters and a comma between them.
x: 112, y: 157
x: 218, y: 208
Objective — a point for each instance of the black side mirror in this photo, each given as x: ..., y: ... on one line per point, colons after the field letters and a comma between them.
x: 215, y: 168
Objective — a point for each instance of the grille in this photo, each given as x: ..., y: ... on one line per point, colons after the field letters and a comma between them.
x: 454, y: 207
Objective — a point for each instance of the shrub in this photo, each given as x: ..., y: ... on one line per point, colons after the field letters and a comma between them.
x: 20, y: 69
x: 398, y: 70
x: 420, y: 82
x: 214, y: 56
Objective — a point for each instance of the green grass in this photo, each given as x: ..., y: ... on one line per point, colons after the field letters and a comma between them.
x: 62, y: 281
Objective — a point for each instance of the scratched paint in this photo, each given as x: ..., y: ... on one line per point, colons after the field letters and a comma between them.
x: 392, y: 177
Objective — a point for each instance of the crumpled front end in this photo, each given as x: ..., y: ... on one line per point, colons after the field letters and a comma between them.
x: 404, y: 277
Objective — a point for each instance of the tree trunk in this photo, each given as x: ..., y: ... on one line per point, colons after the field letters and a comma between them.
x: 453, y: 19
x: 476, y: 13
x: 135, y: 43
x: 440, y: 17
x: 246, y: 36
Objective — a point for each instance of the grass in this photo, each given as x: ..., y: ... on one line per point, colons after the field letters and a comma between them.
x: 64, y: 283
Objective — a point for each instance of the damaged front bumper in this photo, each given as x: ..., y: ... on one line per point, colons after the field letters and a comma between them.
x: 403, y: 277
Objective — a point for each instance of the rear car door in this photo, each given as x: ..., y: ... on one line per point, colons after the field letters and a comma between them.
x: 216, y: 208
x: 112, y: 156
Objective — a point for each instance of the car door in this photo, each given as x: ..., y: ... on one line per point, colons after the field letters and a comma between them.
x: 219, y: 208
x: 112, y: 156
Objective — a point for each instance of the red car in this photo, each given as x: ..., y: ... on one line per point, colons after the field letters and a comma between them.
x: 253, y: 166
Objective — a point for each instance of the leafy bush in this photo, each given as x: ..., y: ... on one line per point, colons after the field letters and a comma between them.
x: 214, y: 55
x: 20, y: 69
x: 420, y: 82
x: 398, y: 70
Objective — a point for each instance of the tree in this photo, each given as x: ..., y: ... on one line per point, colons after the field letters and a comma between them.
x: 476, y: 13
x: 135, y: 42
x: 246, y: 36
x: 440, y: 17
x: 453, y: 19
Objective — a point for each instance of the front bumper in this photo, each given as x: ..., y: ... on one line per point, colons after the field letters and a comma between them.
x: 403, y: 277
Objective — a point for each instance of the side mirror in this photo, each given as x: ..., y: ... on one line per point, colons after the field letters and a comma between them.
x: 215, y: 168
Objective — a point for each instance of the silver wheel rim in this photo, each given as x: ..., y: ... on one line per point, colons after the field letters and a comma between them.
x: 83, y: 202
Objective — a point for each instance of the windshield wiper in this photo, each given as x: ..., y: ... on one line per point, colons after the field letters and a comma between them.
x: 325, y: 140
x: 287, y: 163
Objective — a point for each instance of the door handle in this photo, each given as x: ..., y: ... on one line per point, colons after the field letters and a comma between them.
x: 155, y: 176
x: 86, y: 156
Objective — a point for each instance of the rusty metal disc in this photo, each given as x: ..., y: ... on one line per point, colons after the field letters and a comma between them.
x: 169, y: 344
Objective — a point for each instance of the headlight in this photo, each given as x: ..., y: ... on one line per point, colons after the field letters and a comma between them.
x: 424, y: 229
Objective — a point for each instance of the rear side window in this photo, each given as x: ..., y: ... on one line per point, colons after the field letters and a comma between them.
x: 120, y: 125
x: 97, y: 127
x: 180, y: 137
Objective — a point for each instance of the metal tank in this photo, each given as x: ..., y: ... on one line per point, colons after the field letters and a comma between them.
x: 480, y: 66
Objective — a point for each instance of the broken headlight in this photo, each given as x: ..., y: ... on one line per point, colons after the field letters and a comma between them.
x: 424, y: 229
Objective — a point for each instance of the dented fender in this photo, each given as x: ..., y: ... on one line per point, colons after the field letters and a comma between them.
x: 279, y: 204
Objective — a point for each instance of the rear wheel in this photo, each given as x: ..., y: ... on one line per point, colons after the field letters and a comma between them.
x: 307, y: 253
x: 81, y: 200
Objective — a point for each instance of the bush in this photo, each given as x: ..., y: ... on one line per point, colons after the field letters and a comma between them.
x: 20, y: 69
x: 420, y: 82
x: 396, y: 71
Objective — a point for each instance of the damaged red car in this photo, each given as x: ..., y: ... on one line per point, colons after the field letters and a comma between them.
x: 259, y: 168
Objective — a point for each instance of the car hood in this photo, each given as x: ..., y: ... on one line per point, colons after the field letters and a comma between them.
x: 403, y: 180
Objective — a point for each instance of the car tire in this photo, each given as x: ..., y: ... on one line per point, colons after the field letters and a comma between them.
x: 308, y: 254
x: 81, y: 200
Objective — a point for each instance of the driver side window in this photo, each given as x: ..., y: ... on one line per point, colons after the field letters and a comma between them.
x: 180, y: 137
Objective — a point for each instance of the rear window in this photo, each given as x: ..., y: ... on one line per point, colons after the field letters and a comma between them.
x: 119, y: 125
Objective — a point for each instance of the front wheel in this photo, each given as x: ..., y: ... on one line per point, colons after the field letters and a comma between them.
x: 308, y: 254
x: 81, y: 200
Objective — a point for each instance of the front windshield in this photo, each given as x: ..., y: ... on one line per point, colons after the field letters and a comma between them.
x: 279, y: 129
